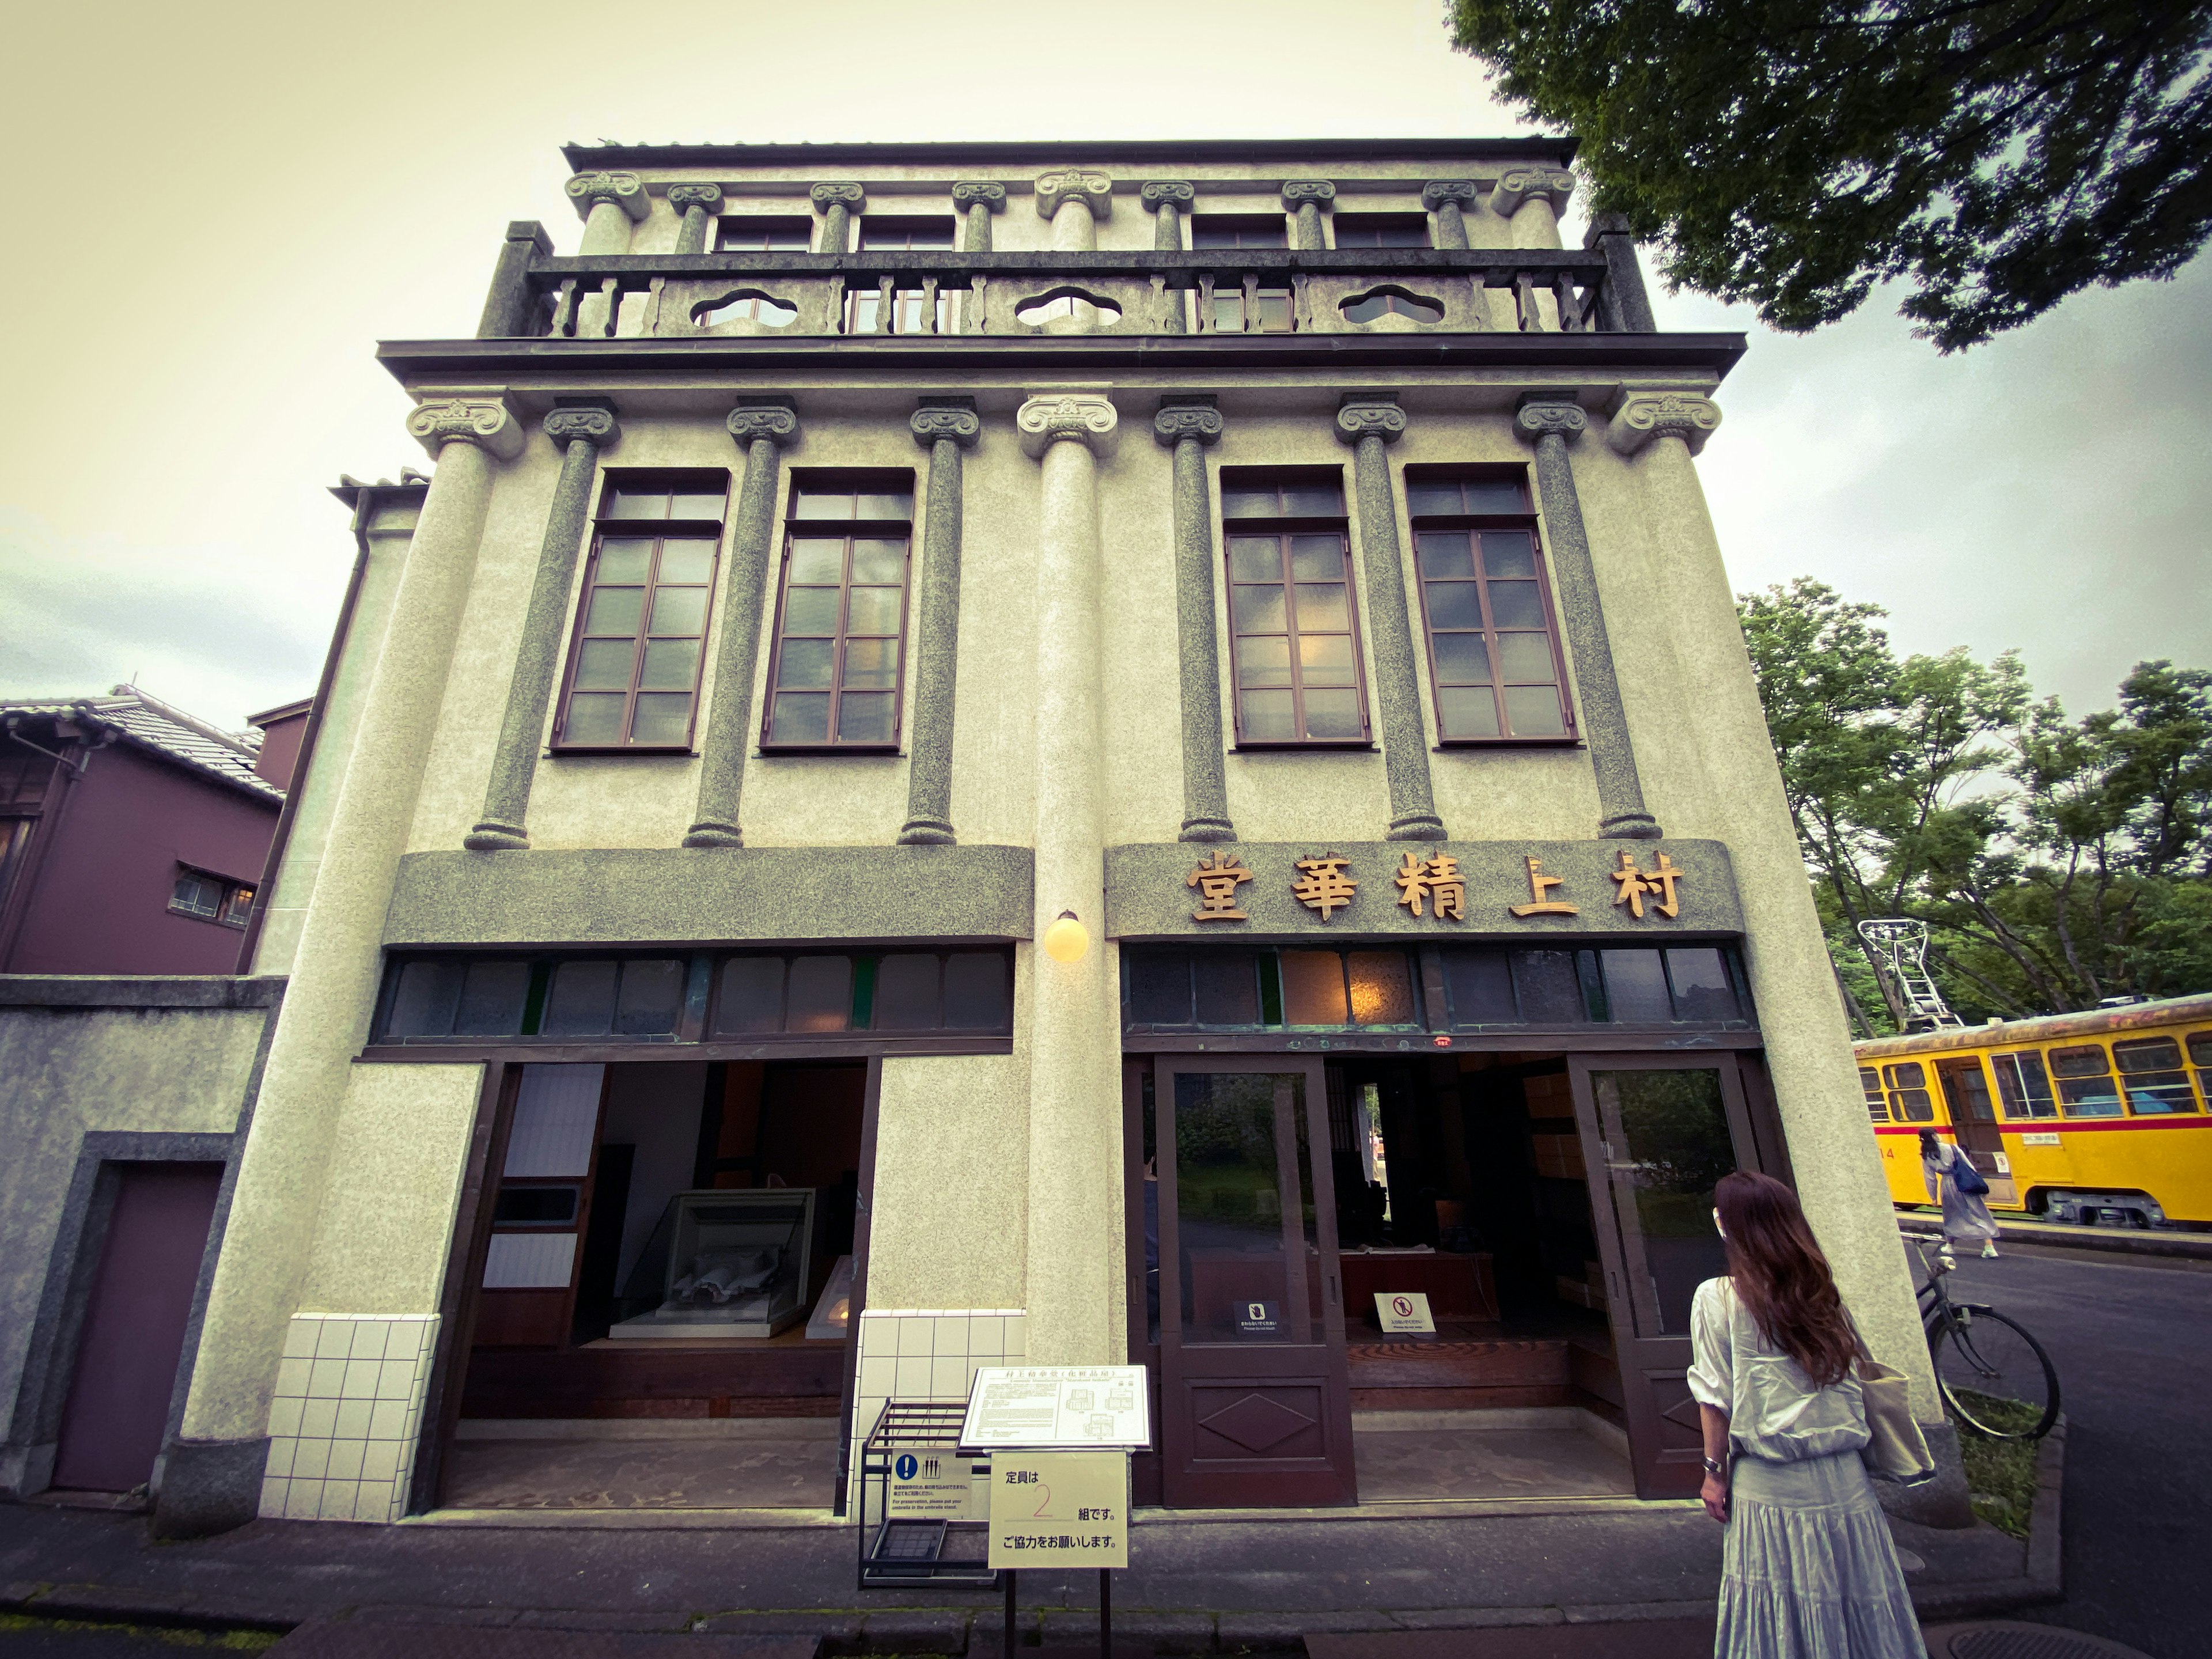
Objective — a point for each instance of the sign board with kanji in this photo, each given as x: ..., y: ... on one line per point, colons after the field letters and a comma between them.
x: 1404, y: 1313
x: 1042, y: 1407
x: 928, y: 1481
x: 1060, y: 1509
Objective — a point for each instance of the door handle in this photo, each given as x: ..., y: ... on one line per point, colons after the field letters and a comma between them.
x: 1329, y: 1279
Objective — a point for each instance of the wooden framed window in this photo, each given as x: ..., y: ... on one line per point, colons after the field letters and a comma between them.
x: 1381, y: 229
x: 764, y: 233
x: 211, y: 898
x: 641, y: 635
x: 834, y: 682
x: 1494, y: 639
x: 1238, y: 230
x: 1294, y: 641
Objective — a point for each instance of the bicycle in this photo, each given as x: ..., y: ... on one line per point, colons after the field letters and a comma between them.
x: 1992, y: 1373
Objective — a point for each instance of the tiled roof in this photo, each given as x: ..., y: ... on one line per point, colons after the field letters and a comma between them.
x: 153, y: 724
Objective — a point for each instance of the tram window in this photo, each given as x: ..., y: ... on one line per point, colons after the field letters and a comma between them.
x: 1876, y: 1102
x: 2150, y: 1070
x: 2085, y: 1081
x: 1909, y: 1099
x: 2200, y: 1055
x: 2023, y: 1087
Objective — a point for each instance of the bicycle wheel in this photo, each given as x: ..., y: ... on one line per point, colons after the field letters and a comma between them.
x: 1994, y: 1376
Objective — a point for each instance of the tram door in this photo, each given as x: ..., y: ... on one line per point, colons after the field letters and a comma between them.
x: 1974, y: 1124
x: 1658, y: 1132
x: 1255, y: 1402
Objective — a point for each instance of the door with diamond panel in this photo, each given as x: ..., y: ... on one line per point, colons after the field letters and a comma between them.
x: 1658, y: 1132
x: 1256, y: 1398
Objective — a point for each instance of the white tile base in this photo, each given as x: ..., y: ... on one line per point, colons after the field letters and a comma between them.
x: 349, y: 1406
x: 926, y: 1354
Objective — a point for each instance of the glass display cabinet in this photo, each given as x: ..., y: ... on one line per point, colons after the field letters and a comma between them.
x: 737, y: 1264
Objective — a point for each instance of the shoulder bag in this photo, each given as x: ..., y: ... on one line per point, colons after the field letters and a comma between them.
x: 1970, y: 1179
x: 1897, y: 1451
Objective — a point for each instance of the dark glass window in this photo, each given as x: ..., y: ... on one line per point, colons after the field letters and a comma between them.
x: 905, y: 230
x: 1381, y: 229
x: 1635, y: 987
x: 1493, y: 650
x: 641, y: 624
x: 840, y: 620
x: 600, y: 997
x: 1294, y: 643
x: 1209, y: 230
x: 1548, y: 988
x: 1480, y: 986
x: 764, y: 233
x: 207, y: 898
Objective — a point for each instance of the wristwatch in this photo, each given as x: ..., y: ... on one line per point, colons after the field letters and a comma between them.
x: 1715, y: 1467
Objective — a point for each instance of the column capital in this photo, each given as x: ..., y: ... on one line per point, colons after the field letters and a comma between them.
x: 1303, y: 192
x: 1167, y: 192
x: 1083, y: 417
x: 1438, y: 192
x: 684, y: 197
x: 850, y: 196
x: 1094, y: 190
x: 1371, y: 417
x: 1197, y: 422
x: 939, y: 422
x: 593, y: 423
x: 625, y: 189
x: 1640, y: 417
x: 1519, y: 184
x: 1549, y: 413
x: 979, y: 193
x: 750, y: 423
x: 485, y: 422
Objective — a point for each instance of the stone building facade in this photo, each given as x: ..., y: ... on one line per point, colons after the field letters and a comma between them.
x: 1157, y: 728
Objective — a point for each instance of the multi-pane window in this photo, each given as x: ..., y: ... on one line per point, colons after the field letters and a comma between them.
x: 1263, y: 310
x: 211, y: 898
x: 1294, y: 646
x: 1877, y: 1104
x: 764, y: 233
x: 1209, y: 230
x: 1493, y: 649
x: 1381, y: 229
x: 2086, y: 1087
x: 641, y: 625
x: 1909, y: 1099
x: 841, y: 616
x: 910, y: 305
x: 2151, y: 1071
x: 2023, y: 1087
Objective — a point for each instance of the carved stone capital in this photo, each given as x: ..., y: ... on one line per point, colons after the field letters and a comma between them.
x: 684, y: 197
x: 595, y: 426
x: 484, y: 421
x: 625, y: 189
x: 980, y: 193
x: 1171, y: 426
x: 962, y: 426
x: 747, y: 425
x: 1438, y: 192
x: 1519, y: 184
x: 1080, y: 417
x: 1299, y: 192
x: 1378, y: 419
x: 1167, y: 192
x: 1094, y: 190
x: 1643, y: 415
x: 852, y: 197
x: 1540, y: 416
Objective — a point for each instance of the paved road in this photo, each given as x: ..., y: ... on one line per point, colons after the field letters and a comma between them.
x: 2133, y: 1344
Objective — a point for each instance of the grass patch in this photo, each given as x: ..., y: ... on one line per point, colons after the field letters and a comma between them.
x: 2000, y: 1474
x: 219, y: 1641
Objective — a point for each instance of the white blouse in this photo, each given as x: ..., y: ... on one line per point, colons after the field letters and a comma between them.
x: 1774, y: 1411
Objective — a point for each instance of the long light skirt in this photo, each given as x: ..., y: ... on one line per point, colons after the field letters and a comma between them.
x: 1808, y: 1571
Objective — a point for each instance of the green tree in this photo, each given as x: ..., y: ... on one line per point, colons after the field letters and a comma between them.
x: 1998, y: 154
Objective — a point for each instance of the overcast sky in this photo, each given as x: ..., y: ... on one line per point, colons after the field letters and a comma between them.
x: 219, y: 209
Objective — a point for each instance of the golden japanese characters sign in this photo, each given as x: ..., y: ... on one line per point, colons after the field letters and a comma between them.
x: 1216, y: 880
x: 1436, y: 889
x: 1438, y: 879
x: 1324, y: 885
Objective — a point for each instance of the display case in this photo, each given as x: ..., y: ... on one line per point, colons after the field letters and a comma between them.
x: 737, y: 1264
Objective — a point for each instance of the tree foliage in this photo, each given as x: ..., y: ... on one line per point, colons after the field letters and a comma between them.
x: 2056, y: 861
x: 1999, y: 154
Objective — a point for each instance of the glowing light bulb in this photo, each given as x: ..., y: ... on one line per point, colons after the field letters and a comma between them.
x: 1066, y: 938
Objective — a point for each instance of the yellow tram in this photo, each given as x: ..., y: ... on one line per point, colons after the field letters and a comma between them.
x: 2096, y: 1117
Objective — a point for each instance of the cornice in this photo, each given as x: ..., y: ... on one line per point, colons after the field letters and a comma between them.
x: 588, y: 158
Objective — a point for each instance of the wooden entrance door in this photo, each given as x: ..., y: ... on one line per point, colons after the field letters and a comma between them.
x: 1256, y: 1401
x: 134, y: 1326
x: 1658, y: 1130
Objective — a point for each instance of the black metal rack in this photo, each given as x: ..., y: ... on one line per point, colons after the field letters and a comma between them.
x: 899, y: 1551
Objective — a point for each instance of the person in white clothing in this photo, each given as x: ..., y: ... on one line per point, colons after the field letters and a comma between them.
x: 1966, y: 1217
x: 1808, y: 1571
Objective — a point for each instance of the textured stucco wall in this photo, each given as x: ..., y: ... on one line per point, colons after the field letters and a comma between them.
x: 950, y: 1214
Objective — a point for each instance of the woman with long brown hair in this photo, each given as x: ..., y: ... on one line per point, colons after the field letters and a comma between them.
x: 1808, y: 1571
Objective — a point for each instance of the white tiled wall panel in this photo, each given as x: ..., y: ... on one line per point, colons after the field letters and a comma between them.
x: 349, y: 1406
x: 529, y: 1262
x: 928, y: 1354
x: 555, y: 1114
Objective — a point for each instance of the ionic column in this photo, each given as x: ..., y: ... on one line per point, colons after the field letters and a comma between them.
x: 610, y: 203
x: 1168, y: 198
x: 1306, y: 198
x: 1074, y: 1254
x: 944, y: 427
x: 1550, y: 423
x: 579, y: 433
x: 1533, y: 199
x: 762, y: 430
x: 1369, y: 424
x: 978, y: 201
x: 334, y: 980
x: 1187, y: 429
x: 696, y: 203
x: 838, y: 204
x: 1609, y: 235
x: 1074, y: 200
x: 1449, y: 199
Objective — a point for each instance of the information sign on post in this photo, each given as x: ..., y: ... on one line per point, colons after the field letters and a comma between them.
x: 1044, y: 1408
x: 1058, y: 1509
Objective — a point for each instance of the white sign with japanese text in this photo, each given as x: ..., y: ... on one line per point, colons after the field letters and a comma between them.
x: 1060, y: 1510
x: 1404, y: 1313
x: 928, y: 1481
x: 1049, y: 1406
